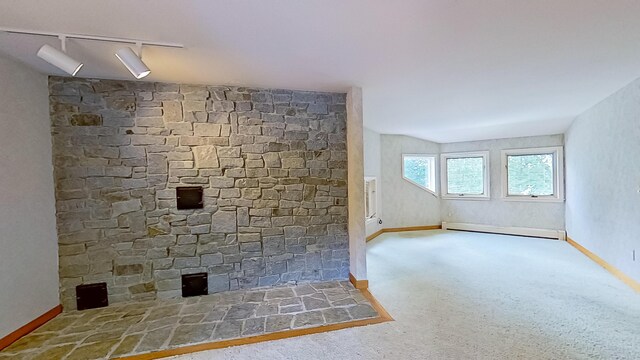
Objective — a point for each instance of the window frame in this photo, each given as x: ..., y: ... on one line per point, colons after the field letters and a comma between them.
x: 444, y: 186
x: 433, y: 192
x: 558, y: 172
x: 374, y: 217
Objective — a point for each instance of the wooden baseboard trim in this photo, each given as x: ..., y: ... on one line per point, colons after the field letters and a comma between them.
x: 610, y: 268
x: 358, y: 284
x: 384, y: 317
x: 375, y: 234
x: 414, y: 228
x: 401, y: 229
x: 32, y: 325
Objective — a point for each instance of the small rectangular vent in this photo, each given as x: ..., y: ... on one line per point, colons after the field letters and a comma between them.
x: 189, y: 197
x: 91, y: 296
x: 194, y: 285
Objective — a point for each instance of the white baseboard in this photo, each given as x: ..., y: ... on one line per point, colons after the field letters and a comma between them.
x: 543, y: 233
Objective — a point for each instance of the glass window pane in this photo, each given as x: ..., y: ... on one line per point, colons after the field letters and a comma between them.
x: 530, y: 174
x: 417, y: 169
x: 465, y: 175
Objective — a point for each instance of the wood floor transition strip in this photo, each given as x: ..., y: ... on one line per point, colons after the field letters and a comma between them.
x: 384, y: 316
x: 32, y: 325
x: 612, y: 269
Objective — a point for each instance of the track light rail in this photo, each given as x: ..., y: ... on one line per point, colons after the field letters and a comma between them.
x: 92, y: 37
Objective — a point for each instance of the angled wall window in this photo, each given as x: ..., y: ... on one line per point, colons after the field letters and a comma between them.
x: 370, y: 200
x: 465, y: 175
x: 420, y: 170
x: 533, y: 174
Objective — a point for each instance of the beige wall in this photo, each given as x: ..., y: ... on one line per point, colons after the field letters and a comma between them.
x: 603, y: 179
x: 405, y: 204
x: 355, y: 183
x: 497, y: 211
x: 29, y: 255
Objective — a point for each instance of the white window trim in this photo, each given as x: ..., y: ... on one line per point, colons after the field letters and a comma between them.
x: 558, y: 170
x: 374, y: 218
x: 433, y: 192
x: 486, y: 193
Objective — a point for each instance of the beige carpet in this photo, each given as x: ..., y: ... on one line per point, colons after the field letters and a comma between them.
x: 459, y: 295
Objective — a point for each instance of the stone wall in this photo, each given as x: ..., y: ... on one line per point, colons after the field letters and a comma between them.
x: 273, y: 165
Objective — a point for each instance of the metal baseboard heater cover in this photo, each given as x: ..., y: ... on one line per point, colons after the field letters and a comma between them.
x: 520, y: 231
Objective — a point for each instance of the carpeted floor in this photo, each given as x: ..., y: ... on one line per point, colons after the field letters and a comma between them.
x: 458, y: 295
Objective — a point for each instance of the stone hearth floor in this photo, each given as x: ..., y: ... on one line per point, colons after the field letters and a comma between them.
x: 136, y: 328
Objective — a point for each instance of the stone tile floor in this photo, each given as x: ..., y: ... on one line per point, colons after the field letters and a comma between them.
x: 142, y: 327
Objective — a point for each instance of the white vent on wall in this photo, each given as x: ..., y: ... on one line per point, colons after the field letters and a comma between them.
x: 370, y: 193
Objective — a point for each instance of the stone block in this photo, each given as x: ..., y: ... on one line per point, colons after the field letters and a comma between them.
x: 124, y: 207
x: 273, y: 245
x: 129, y: 269
x: 253, y: 266
x: 211, y: 259
x: 224, y: 221
x: 221, y: 182
x: 193, y: 105
x: 186, y: 262
x: 218, y: 283
x: 86, y: 120
x: 172, y: 111
x: 296, y: 163
x: 182, y: 251
x: 206, y: 129
x: 205, y: 157
x: 249, y: 237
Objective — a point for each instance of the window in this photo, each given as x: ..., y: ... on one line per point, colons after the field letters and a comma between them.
x: 420, y: 170
x: 533, y: 174
x: 370, y: 193
x: 465, y: 175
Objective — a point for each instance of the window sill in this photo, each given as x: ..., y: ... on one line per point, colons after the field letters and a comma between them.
x: 476, y: 198
x: 421, y: 187
x: 530, y: 199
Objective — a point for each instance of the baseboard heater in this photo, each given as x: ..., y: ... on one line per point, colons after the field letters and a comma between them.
x: 521, y: 231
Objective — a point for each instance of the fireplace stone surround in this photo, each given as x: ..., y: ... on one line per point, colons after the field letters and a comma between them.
x: 272, y: 165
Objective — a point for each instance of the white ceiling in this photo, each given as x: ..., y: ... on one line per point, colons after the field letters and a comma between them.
x: 443, y: 70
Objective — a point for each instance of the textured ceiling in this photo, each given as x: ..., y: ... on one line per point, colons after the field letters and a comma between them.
x: 443, y: 70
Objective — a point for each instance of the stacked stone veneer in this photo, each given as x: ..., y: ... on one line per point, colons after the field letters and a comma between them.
x: 272, y: 163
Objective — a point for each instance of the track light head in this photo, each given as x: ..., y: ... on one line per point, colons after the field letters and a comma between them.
x: 132, y: 62
x: 59, y: 59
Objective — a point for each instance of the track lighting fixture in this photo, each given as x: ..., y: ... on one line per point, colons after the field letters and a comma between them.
x: 59, y: 58
x: 126, y: 55
x: 133, y: 62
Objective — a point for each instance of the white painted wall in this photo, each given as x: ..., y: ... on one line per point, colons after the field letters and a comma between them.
x: 497, y: 212
x: 405, y: 204
x: 355, y: 185
x: 28, y: 241
x: 603, y: 179
x: 372, y: 169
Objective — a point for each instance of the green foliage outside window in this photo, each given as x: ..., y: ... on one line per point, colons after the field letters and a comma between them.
x: 417, y: 170
x: 530, y: 174
x: 465, y: 175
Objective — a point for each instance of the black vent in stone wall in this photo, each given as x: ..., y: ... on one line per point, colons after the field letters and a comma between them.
x: 189, y: 197
x: 194, y: 285
x: 91, y: 296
